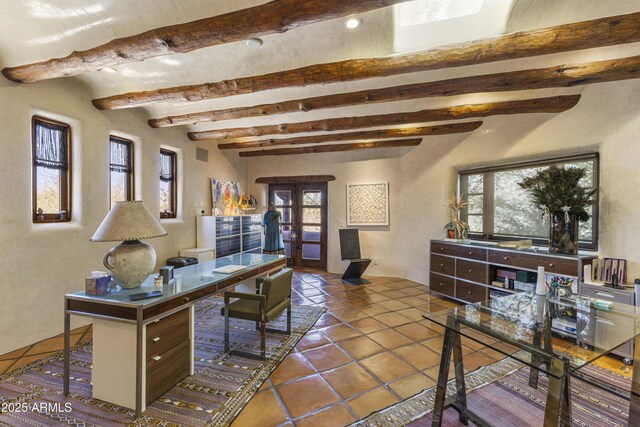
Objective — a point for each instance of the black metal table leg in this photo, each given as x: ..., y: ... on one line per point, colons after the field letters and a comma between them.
x: 67, y: 352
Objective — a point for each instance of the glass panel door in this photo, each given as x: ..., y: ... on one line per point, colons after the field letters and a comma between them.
x: 283, y: 198
x: 304, y: 222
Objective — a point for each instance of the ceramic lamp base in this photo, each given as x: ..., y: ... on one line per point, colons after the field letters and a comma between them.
x: 130, y: 263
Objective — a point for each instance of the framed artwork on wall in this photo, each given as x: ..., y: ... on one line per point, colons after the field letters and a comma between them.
x: 368, y: 204
x: 225, y: 197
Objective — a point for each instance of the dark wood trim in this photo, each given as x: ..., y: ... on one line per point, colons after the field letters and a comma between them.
x: 130, y: 175
x: 333, y: 148
x: 65, y: 178
x: 270, y: 18
x: 362, y: 135
x: 294, y: 179
x: 555, y: 104
x: 566, y: 75
x: 174, y: 185
x: 608, y: 31
x: 100, y: 309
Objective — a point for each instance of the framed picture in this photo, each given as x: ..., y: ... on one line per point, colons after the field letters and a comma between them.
x: 368, y: 204
x: 225, y: 197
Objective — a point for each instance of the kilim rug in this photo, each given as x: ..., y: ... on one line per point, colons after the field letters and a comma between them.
x: 221, y: 386
x: 500, y: 393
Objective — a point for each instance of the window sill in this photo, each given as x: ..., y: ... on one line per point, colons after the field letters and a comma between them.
x: 49, y: 227
x: 171, y: 221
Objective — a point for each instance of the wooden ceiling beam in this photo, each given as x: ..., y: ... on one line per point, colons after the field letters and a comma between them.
x: 567, y: 75
x: 600, y: 32
x: 275, y: 16
x: 294, y: 179
x: 333, y: 147
x: 355, y: 136
x: 554, y: 104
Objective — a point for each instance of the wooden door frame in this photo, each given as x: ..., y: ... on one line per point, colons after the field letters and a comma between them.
x: 296, y: 224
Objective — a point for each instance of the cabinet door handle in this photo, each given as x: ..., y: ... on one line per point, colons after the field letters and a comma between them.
x: 606, y: 322
x: 441, y: 249
x: 156, y: 339
x: 156, y: 358
x: 551, y: 264
x: 441, y: 284
x: 470, y: 253
x: 470, y: 270
x: 442, y: 265
x: 469, y: 292
x: 606, y: 295
x: 506, y: 258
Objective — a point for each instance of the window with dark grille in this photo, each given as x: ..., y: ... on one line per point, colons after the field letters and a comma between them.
x: 168, y: 184
x: 499, y: 209
x: 120, y: 169
x: 51, y: 148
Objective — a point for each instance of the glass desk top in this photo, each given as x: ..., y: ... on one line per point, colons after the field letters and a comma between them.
x: 186, y: 279
x: 516, y: 319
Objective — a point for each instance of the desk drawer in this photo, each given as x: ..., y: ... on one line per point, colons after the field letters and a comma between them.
x: 563, y: 266
x: 472, y: 271
x: 167, y: 333
x: 167, y: 370
x: 441, y: 284
x: 607, y: 294
x: 470, y: 292
x: 459, y: 251
x: 443, y: 265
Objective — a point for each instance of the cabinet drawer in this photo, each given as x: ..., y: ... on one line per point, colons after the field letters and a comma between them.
x: 563, y: 266
x: 167, y: 333
x: 470, y: 270
x: 458, y: 251
x: 441, y: 284
x: 169, y: 368
x: 470, y: 292
x: 442, y: 264
x: 607, y: 294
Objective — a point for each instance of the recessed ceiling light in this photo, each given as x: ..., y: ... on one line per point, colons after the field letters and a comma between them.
x: 353, y: 23
x: 255, y: 43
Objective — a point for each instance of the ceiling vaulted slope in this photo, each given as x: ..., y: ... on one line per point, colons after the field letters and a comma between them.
x: 184, y: 63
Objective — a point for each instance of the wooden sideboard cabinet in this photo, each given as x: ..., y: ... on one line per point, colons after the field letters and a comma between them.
x: 465, y: 271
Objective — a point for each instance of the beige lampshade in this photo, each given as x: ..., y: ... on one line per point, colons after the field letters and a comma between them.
x: 128, y: 221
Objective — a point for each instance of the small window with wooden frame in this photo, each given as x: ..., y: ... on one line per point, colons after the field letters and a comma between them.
x: 168, y: 183
x: 51, y: 153
x: 120, y: 169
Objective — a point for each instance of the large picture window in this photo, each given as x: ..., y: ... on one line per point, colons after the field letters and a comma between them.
x: 500, y: 210
x: 168, y: 184
x: 120, y: 169
x: 51, y: 148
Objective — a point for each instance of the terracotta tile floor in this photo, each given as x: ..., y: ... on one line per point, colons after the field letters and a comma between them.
x: 371, y: 349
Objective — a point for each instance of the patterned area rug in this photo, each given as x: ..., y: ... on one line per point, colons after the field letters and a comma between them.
x: 221, y: 386
x: 501, y: 391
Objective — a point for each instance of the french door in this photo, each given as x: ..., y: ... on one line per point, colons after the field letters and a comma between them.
x: 304, y: 222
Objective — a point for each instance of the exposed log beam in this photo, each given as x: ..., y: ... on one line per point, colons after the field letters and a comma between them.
x: 333, y: 147
x: 562, y: 38
x: 554, y: 104
x: 362, y: 135
x: 276, y: 16
x: 294, y: 179
x: 567, y: 75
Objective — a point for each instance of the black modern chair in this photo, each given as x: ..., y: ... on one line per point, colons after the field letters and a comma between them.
x: 272, y: 297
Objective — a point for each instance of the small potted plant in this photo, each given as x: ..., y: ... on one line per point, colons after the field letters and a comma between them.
x: 557, y: 191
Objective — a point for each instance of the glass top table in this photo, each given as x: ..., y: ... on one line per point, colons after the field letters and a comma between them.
x: 525, y: 321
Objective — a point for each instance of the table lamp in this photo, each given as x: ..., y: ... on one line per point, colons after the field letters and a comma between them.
x: 132, y: 261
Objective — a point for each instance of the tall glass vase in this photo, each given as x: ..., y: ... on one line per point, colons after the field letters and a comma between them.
x: 563, y: 234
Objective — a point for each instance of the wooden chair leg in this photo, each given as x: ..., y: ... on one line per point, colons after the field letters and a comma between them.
x: 226, y: 329
x: 263, y: 339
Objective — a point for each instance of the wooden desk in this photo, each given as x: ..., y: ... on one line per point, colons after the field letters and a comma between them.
x: 143, y: 348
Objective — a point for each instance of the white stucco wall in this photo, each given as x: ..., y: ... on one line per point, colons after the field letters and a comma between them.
x: 39, y: 263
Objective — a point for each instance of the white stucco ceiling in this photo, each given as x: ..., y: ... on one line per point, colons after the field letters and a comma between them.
x: 36, y: 30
